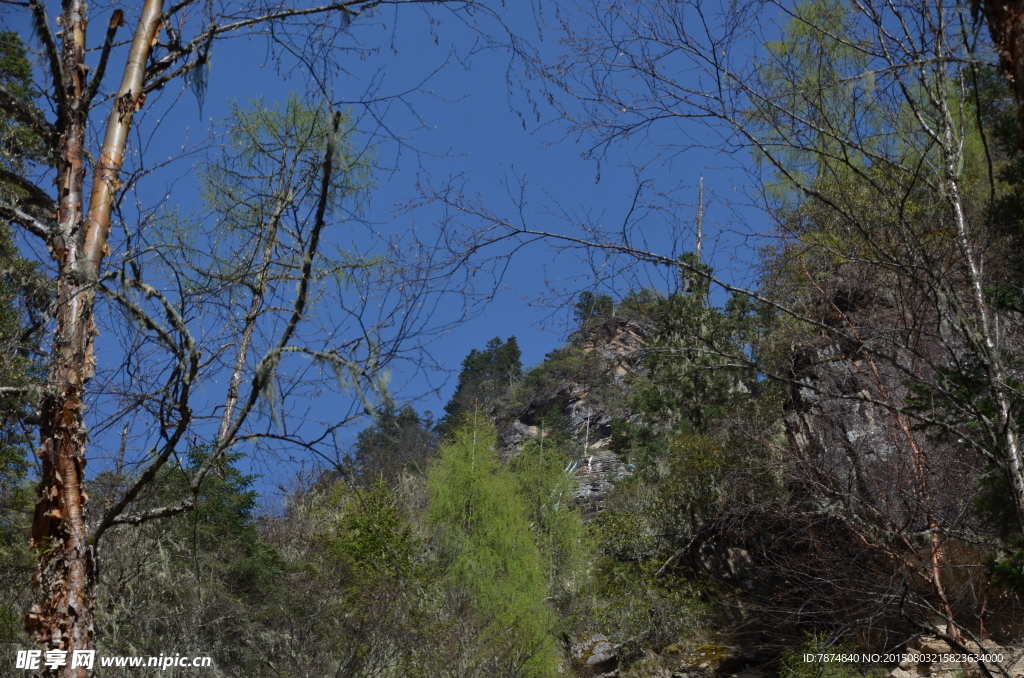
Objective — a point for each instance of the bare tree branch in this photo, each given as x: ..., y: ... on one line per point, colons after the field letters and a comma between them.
x: 153, y: 514
x: 26, y: 221
x: 116, y: 21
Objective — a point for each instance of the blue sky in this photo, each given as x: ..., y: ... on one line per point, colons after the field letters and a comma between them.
x: 465, y: 121
x: 458, y: 117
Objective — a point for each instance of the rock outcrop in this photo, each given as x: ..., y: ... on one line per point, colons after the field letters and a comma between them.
x: 620, y: 343
x: 594, y: 656
x: 596, y: 475
x: 842, y: 427
x: 589, y: 409
x: 922, y: 653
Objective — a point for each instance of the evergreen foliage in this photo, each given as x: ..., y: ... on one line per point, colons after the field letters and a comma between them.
x: 20, y: 146
x: 395, y: 441
x: 592, y: 308
x: 24, y: 297
x: 16, y: 561
x: 486, y: 375
x: 383, y: 603
x: 490, y: 550
x: 24, y: 288
x: 696, y: 372
x: 372, y: 537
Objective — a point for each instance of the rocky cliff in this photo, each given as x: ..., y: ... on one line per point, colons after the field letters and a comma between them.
x: 589, y: 400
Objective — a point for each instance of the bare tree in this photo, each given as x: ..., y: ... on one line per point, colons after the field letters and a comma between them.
x: 160, y: 294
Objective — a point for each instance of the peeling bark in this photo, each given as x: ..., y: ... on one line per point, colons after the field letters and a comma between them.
x: 62, y: 618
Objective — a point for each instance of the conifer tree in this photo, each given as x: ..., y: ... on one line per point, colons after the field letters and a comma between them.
x: 397, y: 439
x: 485, y: 376
x: 483, y: 524
x: 592, y: 308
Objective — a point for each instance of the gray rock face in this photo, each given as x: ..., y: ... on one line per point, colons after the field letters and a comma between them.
x: 512, y: 436
x: 620, y: 342
x: 594, y: 656
x: 843, y: 432
x: 587, y: 409
x: 595, y: 477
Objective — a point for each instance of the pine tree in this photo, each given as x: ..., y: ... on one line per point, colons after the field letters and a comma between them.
x: 485, y: 376
x: 396, y: 440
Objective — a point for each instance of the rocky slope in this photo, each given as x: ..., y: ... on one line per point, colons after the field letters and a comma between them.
x: 588, y: 408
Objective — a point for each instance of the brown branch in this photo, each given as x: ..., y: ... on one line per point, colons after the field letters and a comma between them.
x: 25, y: 114
x: 138, y: 314
x: 18, y: 390
x: 154, y: 514
x: 175, y: 8
x: 152, y: 86
x: 956, y: 642
x: 37, y: 197
x: 307, y: 444
x: 214, y: 30
x: 184, y: 377
x: 252, y: 314
x: 42, y: 26
x: 116, y: 21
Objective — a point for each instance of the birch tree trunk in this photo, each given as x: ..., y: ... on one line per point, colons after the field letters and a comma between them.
x: 75, y: 229
x: 65, y: 579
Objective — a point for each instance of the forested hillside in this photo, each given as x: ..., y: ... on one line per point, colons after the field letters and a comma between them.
x: 807, y: 464
x: 638, y: 504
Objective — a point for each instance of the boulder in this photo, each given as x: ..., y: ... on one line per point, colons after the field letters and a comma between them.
x: 594, y: 656
x: 929, y: 645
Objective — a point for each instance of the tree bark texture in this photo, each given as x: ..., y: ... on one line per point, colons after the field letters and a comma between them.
x: 65, y: 579
x: 1005, y: 19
